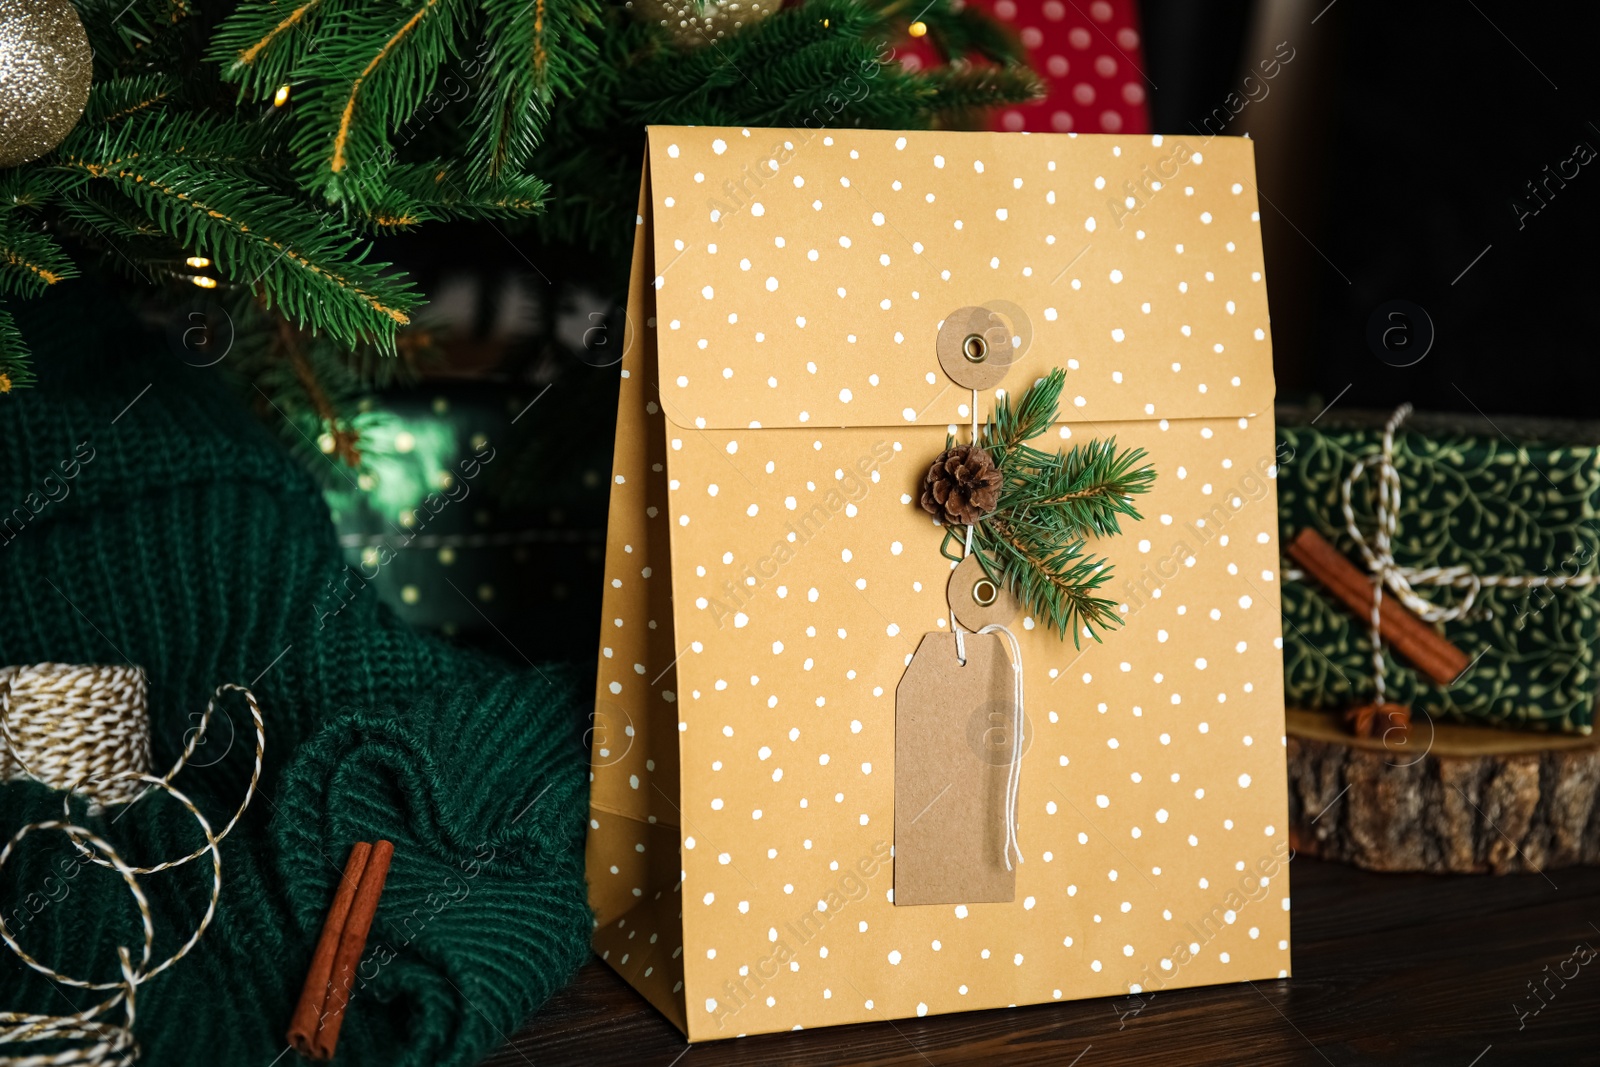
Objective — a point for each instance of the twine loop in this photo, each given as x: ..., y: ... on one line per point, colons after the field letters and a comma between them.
x: 105, y: 758
x: 1018, y: 721
x: 1378, y: 551
x: 1018, y: 724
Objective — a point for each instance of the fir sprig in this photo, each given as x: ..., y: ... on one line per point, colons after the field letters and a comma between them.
x: 1090, y: 487
x: 1050, y: 505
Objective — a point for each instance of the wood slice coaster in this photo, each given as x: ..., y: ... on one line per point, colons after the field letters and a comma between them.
x: 1447, y: 798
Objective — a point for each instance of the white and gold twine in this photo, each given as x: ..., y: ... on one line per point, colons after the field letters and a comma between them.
x: 1018, y: 721
x: 62, y: 723
x: 99, y: 723
x: 1401, y: 580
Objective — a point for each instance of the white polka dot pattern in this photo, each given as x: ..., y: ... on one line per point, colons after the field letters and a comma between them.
x: 769, y: 573
x: 1149, y: 243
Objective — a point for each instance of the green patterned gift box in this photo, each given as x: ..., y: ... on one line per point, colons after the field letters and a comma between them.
x: 1502, y: 498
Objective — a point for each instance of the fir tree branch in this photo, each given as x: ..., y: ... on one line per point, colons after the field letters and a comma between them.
x: 107, y: 214
x: 776, y: 71
x: 960, y: 32
x: 1011, y: 426
x: 341, y: 136
x: 1053, y: 579
x: 505, y: 136
x: 117, y: 99
x: 966, y: 93
x: 259, y: 46
x: 133, y: 36
x: 15, y: 372
x: 364, y: 82
x: 25, y: 187
x: 314, y: 391
x: 30, y: 260
x: 539, y: 49
x: 1092, y: 486
x: 121, y: 235
x: 306, y: 261
x: 436, y: 189
x: 346, y: 442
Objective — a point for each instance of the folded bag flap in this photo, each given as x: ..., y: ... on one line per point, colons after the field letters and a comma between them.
x: 802, y: 276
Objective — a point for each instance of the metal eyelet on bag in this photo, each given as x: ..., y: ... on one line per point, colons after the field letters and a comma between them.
x: 977, y: 600
x: 975, y: 347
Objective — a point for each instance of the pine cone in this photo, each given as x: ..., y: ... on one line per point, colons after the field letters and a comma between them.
x: 961, y: 486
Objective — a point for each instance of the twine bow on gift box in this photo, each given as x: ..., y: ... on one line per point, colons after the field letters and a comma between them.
x: 1402, y: 581
x: 85, y: 730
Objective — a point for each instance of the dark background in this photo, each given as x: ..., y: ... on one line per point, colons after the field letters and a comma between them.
x: 1394, y: 152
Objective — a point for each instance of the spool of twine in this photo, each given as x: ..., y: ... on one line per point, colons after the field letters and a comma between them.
x: 78, y: 727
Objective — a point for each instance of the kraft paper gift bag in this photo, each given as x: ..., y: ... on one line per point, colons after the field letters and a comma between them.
x: 780, y: 691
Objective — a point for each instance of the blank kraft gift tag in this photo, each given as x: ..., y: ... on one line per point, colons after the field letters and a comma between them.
x: 952, y: 747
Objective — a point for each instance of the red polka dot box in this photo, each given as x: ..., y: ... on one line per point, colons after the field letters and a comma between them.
x: 840, y: 771
x: 1089, y: 54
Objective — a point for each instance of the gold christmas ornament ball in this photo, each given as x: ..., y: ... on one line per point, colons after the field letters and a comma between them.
x: 699, y: 22
x: 44, y: 76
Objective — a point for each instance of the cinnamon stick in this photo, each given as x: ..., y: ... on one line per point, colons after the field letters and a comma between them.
x: 352, y: 943
x: 307, y: 1018
x: 1412, y: 639
x: 1379, y: 720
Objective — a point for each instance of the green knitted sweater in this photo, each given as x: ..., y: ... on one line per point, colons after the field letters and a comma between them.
x: 191, y: 545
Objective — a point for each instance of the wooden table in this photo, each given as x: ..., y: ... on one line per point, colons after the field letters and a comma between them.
x: 1404, y: 969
